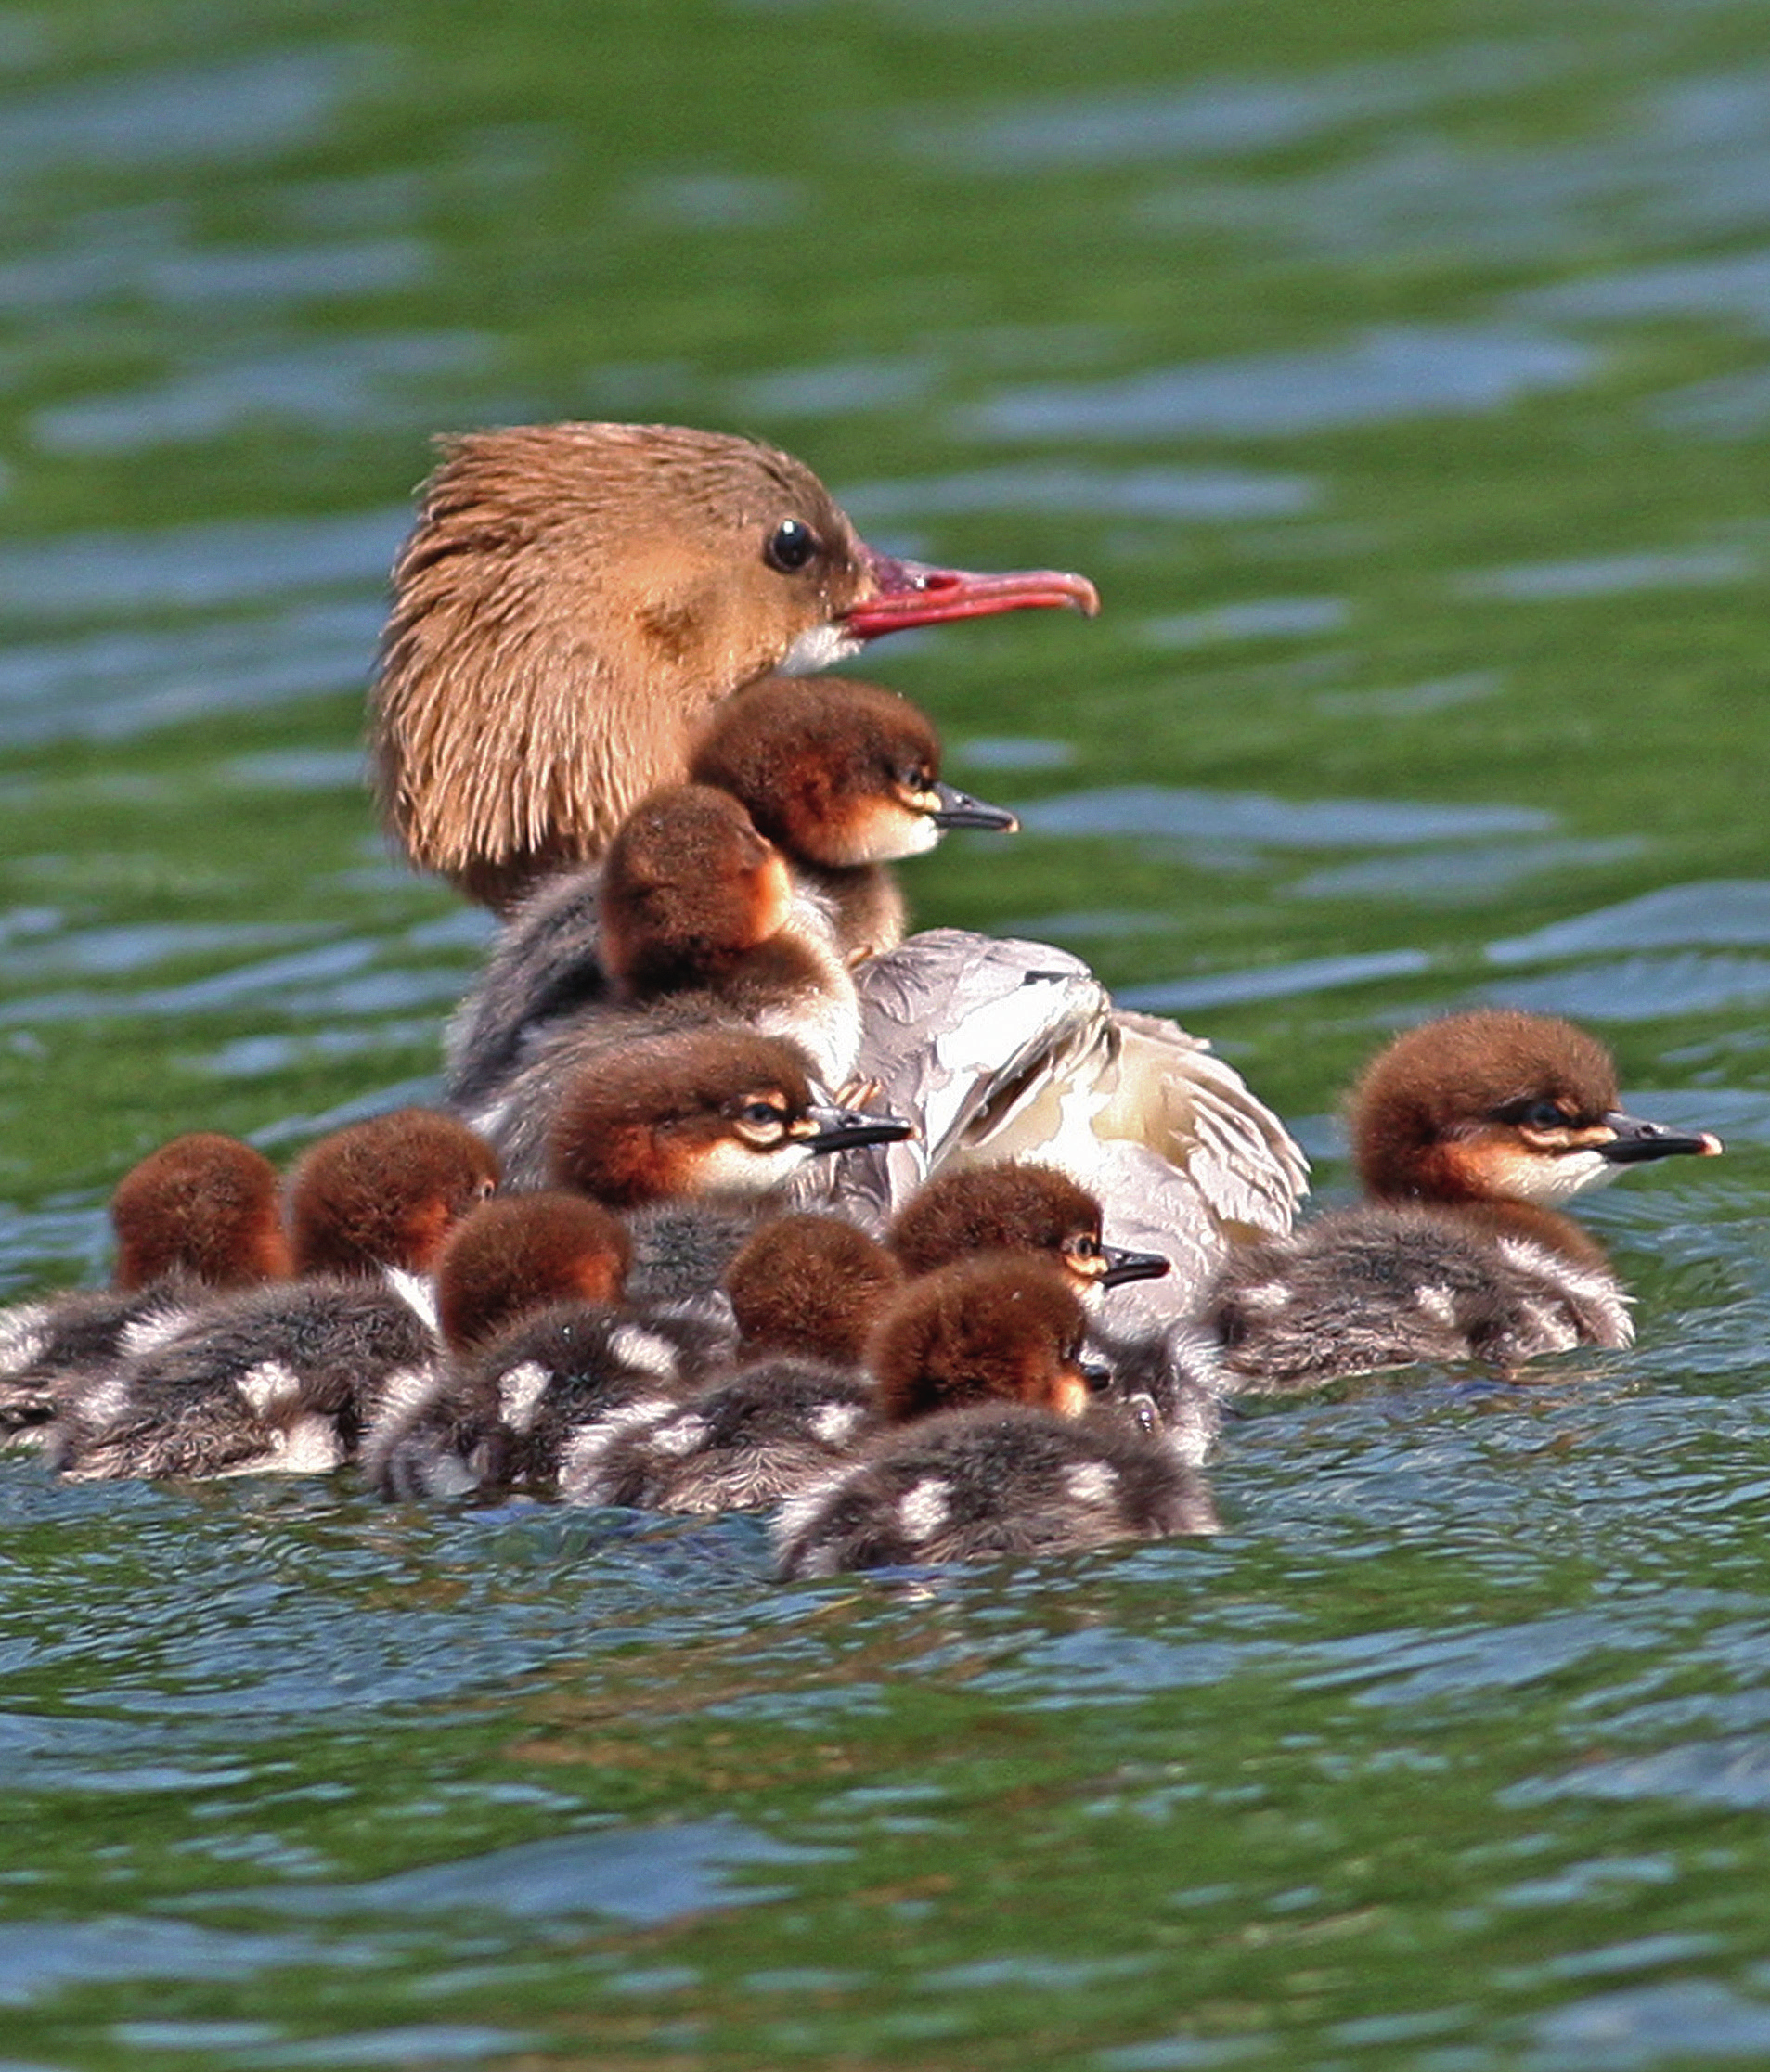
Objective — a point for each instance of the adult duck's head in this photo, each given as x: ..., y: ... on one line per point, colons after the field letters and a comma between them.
x: 575, y: 597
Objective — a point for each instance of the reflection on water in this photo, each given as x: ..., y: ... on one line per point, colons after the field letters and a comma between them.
x: 1398, y: 372
x: 1192, y: 815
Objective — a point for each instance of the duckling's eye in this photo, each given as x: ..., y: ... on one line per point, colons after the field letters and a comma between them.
x: 791, y: 546
x: 918, y: 776
x: 763, y: 1113
x: 1082, y: 1246
x: 1546, y: 1114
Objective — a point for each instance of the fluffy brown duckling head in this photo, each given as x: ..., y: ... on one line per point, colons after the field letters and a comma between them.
x: 705, y: 1112
x: 573, y: 601
x: 205, y: 1207
x: 1498, y: 1106
x: 689, y: 889
x: 522, y: 1251
x: 995, y: 1328
x: 838, y: 773
x: 810, y: 1287
x: 387, y: 1191
x: 1026, y: 1208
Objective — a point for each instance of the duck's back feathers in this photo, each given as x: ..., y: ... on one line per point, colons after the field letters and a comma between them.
x: 977, y: 1484
x: 1376, y: 1287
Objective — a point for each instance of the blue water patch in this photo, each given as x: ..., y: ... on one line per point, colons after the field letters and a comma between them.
x: 1737, y: 285
x: 1184, y: 814
x: 646, y: 1876
x: 1276, y: 982
x: 1381, y: 378
x: 1712, y: 912
x: 1257, y: 619
x: 1613, y: 574
x: 1639, y: 988
x: 41, y: 1958
x: 1460, y: 877
x: 1011, y: 752
x: 1194, y: 495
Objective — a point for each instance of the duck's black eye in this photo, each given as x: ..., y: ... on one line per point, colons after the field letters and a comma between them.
x: 791, y: 546
x: 1084, y: 1246
x: 1537, y: 1114
x: 761, y: 1113
x: 917, y: 777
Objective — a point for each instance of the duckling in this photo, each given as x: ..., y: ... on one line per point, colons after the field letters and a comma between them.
x: 841, y: 776
x: 845, y: 779
x: 1468, y: 1134
x: 199, y: 1215
x: 1165, y: 1383
x: 972, y: 1362
x: 804, y: 1290
x: 690, y: 1134
x: 699, y: 928
x: 1016, y: 1208
x: 575, y: 599
x: 529, y: 1295
x: 288, y: 1377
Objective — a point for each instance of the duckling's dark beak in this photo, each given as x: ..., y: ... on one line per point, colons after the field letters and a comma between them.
x: 959, y: 809
x: 845, y: 1129
x: 1636, y: 1140
x: 911, y: 593
x: 1123, y: 1265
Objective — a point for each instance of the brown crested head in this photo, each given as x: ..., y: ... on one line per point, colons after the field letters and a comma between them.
x: 697, y: 1111
x: 1000, y: 1209
x: 809, y: 1287
x: 522, y: 1251
x: 1451, y: 1110
x: 387, y: 1191
x: 835, y: 771
x: 987, y: 1330
x: 689, y: 888
x: 205, y: 1207
x: 571, y: 602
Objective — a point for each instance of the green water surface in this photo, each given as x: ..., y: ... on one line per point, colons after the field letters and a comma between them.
x: 1399, y: 374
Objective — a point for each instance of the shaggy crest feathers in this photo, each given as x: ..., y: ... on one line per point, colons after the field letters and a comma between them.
x: 203, y: 1206
x: 386, y: 1191
x: 809, y: 1287
x: 1439, y: 1083
x: 992, y: 1328
x: 522, y: 1251
x: 988, y: 1208
x: 570, y: 598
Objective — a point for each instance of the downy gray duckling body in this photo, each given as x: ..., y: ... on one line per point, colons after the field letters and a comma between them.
x: 1468, y: 1133
x: 288, y: 1378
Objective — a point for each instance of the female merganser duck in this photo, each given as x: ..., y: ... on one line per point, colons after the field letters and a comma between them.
x: 805, y: 1290
x: 288, y: 1377
x: 700, y: 928
x: 200, y: 1215
x: 575, y: 599
x: 1468, y: 1134
x: 982, y: 1364
x: 691, y: 1132
x: 529, y: 1295
x: 843, y: 778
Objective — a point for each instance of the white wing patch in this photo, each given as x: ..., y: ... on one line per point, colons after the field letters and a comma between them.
x: 834, y: 1423
x: 1091, y: 1483
x: 520, y: 1392
x: 925, y: 1508
x: 644, y: 1351
x: 268, y: 1383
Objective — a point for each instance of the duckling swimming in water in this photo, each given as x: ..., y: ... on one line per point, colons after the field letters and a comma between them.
x: 1468, y: 1133
x: 288, y: 1377
x: 574, y: 601
x: 981, y: 1364
x: 200, y: 1215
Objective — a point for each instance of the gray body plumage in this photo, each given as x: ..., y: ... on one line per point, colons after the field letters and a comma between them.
x: 742, y: 1443
x: 976, y: 1483
x: 45, y: 1344
x: 1374, y: 1287
x: 280, y: 1379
